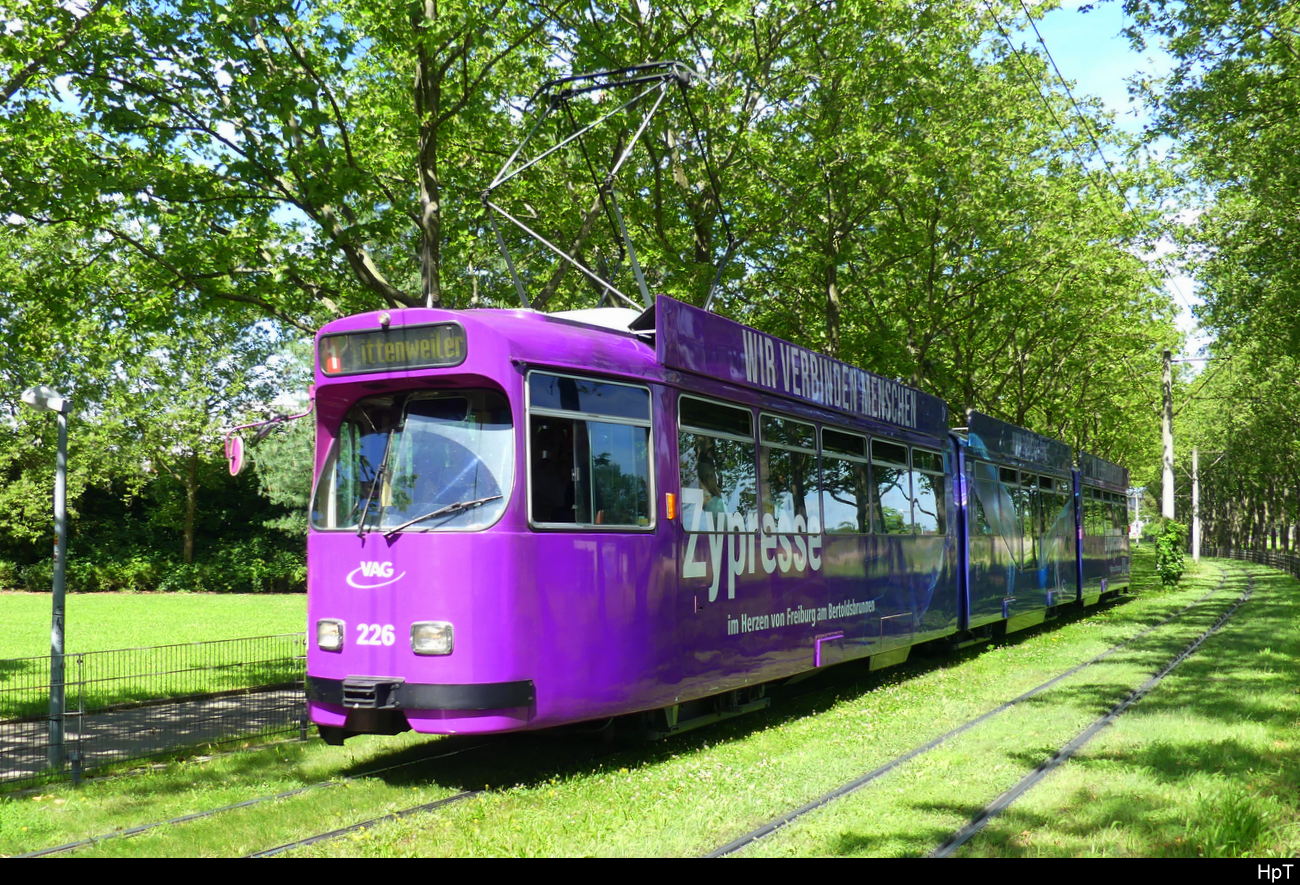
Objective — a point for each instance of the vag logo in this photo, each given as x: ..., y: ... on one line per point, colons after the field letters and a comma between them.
x: 369, y: 575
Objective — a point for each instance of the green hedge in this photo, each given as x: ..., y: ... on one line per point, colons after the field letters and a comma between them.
x: 254, y: 565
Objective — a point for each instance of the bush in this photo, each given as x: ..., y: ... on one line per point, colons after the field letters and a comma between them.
x: 251, y: 565
x: 129, y: 571
x: 1170, y: 560
x: 10, y: 575
x: 1151, y: 531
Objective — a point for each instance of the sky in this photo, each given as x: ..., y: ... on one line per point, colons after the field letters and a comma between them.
x: 1091, y: 52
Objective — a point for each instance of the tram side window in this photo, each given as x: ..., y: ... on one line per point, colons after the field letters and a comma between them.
x: 717, y: 452
x: 1046, y: 505
x: 589, y: 445
x: 788, y: 477
x: 928, y: 499
x: 893, y: 498
x: 1102, y: 510
x: 983, y: 484
x: 1030, y: 517
x: 845, y: 483
x: 1061, y: 520
x: 1091, y: 525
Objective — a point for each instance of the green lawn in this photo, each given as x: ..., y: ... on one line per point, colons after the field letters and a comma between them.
x: 99, y: 621
x: 1203, y: 766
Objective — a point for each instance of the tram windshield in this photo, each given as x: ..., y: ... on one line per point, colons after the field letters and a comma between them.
x: 419, y: 462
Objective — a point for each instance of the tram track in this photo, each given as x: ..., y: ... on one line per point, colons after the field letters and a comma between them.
x: 1002, y: 802
x: 91, y: 841
x: 365, y: 824
x: 993, y: 808
x: 844, y: 790
x: 335, y: 833
x: 732, y: 847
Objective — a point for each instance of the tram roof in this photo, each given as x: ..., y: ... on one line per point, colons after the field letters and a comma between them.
x: 988, y: 437
x: 677, y: 336
x: 1099, y: 471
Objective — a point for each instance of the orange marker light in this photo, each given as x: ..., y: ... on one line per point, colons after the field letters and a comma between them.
x: 670, y: 505
x: 332, y: 357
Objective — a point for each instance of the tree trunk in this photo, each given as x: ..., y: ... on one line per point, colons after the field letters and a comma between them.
x: 833, y: 308
x: 191, y: 507
x: 428, y: 100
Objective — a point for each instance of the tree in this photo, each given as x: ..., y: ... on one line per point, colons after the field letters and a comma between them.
x: 929, y: 218
x: 1240, y: 415
x: 1232, y: 102
x: 150, y: 395
x: 882, y: 181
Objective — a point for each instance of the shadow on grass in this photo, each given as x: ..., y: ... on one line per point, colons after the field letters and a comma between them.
x: 1097, y: 822
x: 1240, y: 676
x: 532, y: 759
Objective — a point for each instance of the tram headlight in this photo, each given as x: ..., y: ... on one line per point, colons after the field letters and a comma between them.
x: 432, y: 637
x: 329, y: 634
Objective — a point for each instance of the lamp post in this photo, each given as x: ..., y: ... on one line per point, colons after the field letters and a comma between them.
x: 47, y: 399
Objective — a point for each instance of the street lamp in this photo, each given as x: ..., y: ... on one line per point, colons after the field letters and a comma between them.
x: 47, y: 399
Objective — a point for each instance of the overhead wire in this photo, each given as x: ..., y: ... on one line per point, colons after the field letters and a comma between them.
x: 1018, y: 54
x: 1090, y: 131
x: 1192, y: 397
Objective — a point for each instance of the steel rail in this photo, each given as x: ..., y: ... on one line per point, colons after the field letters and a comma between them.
x: 735, y: 845
x: 857, y: 783
x: 212, y: 812
x: 365, y: 824
x: 1002, y: 802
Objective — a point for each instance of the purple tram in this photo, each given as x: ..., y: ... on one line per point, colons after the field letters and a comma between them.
x: 1019, y: 525
x: 522, y: 520
x: 1101, y: 490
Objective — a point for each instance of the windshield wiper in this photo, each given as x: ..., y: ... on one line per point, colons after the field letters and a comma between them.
x: 382, y: 472
x: 442, y: 511
x: 376, y: 484
x: 370, y: 496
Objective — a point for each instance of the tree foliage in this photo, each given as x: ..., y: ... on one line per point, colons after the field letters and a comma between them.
x: 892, y: 183
x: 1233, y: 101
x: 1171, y: 538
x: 1240, y: 418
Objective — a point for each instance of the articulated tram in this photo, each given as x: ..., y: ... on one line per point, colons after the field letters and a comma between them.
x: 522, y: 520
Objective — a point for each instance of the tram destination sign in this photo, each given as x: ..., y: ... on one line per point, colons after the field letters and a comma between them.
x: 698, y: 341
x: 393, y: 349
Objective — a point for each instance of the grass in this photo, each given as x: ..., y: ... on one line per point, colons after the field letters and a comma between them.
x: 1203, y: 766
x: 105, y: 621
x: 98, y: 621
x: 1207, y: 766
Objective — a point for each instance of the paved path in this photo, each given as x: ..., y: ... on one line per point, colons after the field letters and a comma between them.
x: 145, y: 731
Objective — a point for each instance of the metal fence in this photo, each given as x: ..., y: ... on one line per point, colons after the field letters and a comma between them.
x: 135, y: 703
x: 1287, y: 562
